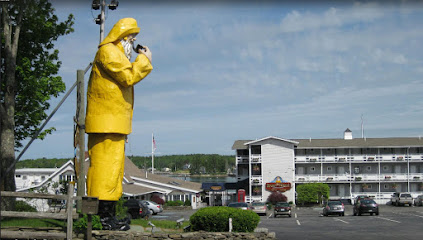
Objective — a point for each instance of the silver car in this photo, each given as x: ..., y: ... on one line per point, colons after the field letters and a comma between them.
x: 334, y: 208
x: 241, y: 205
x: 154, y: 207
x: 259, y: 208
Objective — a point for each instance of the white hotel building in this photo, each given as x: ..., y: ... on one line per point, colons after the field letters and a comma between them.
x: 376, y: 167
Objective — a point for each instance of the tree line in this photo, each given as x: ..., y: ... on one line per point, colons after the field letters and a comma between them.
x: 194, y: 163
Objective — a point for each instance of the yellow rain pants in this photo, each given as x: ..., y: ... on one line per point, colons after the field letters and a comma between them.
x: 107, y: 156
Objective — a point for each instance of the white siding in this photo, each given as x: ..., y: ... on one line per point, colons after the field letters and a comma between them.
x: 278, y: 160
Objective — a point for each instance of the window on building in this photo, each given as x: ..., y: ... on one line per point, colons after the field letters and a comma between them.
x: 328, y: 152
x: 341, y: 151
x: 242, y: 152
x: 256, y: 149
x: 299, y: 152
x: 256, y: 169
x: 18, y: 176
x: 357, y: 170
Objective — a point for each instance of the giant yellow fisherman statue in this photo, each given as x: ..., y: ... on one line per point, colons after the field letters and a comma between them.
x: 110, y: 100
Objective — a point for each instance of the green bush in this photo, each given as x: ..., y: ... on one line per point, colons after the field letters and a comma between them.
x: 80, y: 225
x: 187, y: 203
x: 21, y: 206
x: 216, y: 219
x: 174, y: 203
x: 121, y: 210
x: 312, y: 193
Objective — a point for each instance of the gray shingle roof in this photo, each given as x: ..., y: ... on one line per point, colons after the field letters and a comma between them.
x: 352, y: 143
x: 131, y: 170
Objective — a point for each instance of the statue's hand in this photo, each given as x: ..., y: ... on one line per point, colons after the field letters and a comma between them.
x: 146, y: 51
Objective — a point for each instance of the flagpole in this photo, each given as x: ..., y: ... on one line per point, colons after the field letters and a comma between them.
x: 152, y: 153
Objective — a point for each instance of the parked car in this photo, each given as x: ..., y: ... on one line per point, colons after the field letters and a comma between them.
x: 360, y: 197
x: 241, y: 205
x: 136, y: 209
x: 153, y: 206
x: 365, y: 206
x: 334, y: 208
x: 259, y: 208
x: 400, y: 199
x: 418, y: 200
x: 282, y: 208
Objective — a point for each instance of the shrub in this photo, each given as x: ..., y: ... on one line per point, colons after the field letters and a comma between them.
x: 174, y: 203
x: 216, y: 219
x: 276, y: 197
x: 157, y: 199
x: 187, y: 203
x: 21, y: 206
x: 312, y: 192
x: 121, y: 210
x: 80, y: 225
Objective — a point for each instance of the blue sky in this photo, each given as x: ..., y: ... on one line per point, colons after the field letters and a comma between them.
x: 230, y: 71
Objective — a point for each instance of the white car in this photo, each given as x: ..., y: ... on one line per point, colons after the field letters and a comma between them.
x: 154, y: 207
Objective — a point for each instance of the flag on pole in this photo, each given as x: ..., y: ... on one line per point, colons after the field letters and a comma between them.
x: 154, y: 144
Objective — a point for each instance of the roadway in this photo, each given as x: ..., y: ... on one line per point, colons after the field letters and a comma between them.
x: 308, y: 223
x: 392, y: 223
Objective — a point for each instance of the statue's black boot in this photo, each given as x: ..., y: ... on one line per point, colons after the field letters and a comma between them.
x: 107, y: 213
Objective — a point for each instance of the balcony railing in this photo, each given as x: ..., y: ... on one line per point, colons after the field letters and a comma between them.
x: 360, y: 158
x: 253, y: 199
x: 256, y: 180
x: 242, y: 159
x: 394, y: 177
x: 255, y: 158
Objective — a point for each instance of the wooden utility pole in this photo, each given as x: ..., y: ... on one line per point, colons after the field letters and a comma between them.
x: 80, y: 135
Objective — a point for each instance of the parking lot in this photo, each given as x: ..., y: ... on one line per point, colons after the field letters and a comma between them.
x: 397, y: 223
x: 308, y: 223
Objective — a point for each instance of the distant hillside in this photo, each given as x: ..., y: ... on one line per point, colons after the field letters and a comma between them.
x: 197, y: 163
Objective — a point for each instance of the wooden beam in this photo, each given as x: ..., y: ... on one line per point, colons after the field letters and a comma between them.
x: 32, y: 235
x: 38, y: 215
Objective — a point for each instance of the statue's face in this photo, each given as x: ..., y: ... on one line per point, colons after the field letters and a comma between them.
x: 131, y: 38
x: 128, y: 44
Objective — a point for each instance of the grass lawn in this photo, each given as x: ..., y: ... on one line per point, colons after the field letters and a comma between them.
x: 27, y: 222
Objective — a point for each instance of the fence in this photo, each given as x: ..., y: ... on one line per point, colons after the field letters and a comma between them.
x: 68, y: 215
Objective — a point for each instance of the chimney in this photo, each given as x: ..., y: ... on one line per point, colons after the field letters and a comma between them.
x: 348, y: 134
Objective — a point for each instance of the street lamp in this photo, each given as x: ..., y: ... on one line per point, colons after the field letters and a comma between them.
x: 97, y: 4
x: 113, y: 5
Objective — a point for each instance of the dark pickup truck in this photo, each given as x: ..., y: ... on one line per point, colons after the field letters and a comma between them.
x: 137, y: 209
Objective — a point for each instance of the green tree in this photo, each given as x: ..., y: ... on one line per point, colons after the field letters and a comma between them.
x: 312, y: 192
x: 29, y: 64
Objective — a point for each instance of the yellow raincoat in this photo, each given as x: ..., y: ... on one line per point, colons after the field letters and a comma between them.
x: 110, y: 99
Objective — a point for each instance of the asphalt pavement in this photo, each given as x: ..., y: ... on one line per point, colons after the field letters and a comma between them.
x: 396, y: 223
x: 392, y: 223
